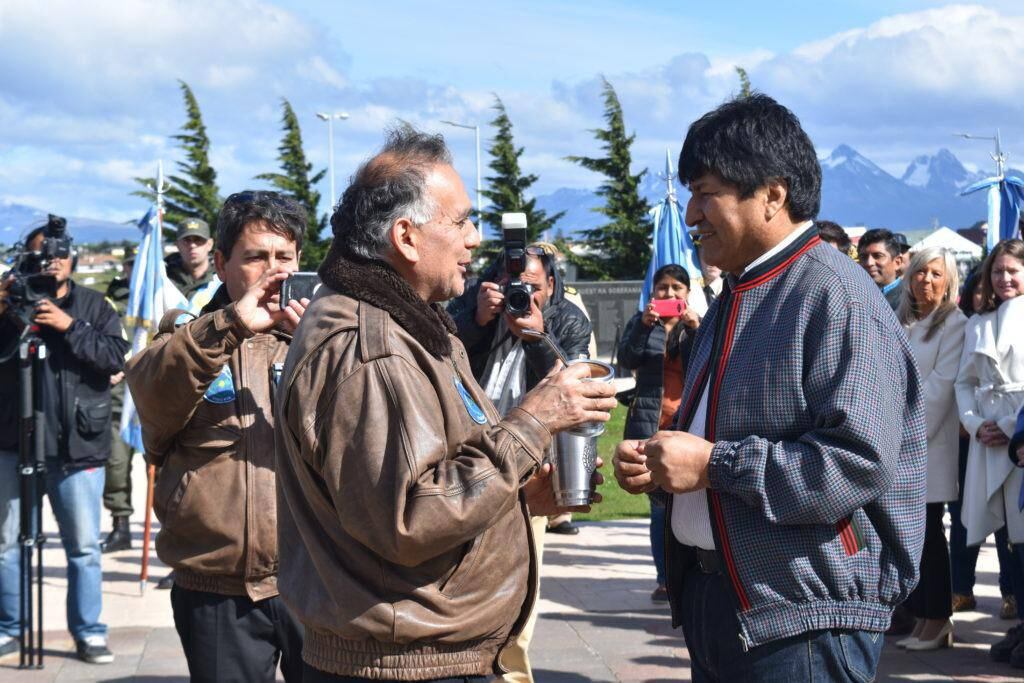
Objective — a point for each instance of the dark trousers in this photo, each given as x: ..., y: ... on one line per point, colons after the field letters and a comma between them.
x: 311, y: 675
x: 658, y: 535
x: 716, y: 653
x: 232, y: 638
x: 117, y: 491
x: 933, y: 596
x: 964, y: 559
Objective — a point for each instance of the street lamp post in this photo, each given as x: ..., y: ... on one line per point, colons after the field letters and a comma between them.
x: 329, y: 118
x: 999, y: 156
x: 479, y: 180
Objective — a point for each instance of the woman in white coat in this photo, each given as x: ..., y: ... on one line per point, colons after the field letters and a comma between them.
x: 935, y: 326
x: 990, y: 393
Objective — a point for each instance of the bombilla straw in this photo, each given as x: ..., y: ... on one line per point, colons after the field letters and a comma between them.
x: 547, y: 340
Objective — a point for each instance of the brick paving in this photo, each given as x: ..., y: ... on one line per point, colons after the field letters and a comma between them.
x: 597, y: 622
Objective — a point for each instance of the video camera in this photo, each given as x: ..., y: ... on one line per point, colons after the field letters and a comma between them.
x: 518, y: 294
x: 32, y: 283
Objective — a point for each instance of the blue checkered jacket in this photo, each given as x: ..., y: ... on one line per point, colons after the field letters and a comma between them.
x: 817, y: 497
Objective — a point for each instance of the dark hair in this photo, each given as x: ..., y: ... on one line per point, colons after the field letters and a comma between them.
x: 750, y: 141
x: 389, y: 186
x: 880, y: 235
x: 1014, y: 248
x: 277, y: 212
x: 833, y: 233
x: 972, y: 282
x: 672, y: 270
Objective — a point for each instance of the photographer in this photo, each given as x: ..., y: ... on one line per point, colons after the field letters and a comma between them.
x: 508, y: 364
x: 204, y: 389
x: 86, y: 346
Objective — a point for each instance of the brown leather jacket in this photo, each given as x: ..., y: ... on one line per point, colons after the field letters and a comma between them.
x: 405, y: 546
x: 216, y: 492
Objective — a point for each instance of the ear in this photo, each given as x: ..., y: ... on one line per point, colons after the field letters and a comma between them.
x: 218, y: 263
x: 775, y: 198
x: 406, y: 240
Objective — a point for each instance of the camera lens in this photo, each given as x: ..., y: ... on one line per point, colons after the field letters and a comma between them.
x: 518, y: 301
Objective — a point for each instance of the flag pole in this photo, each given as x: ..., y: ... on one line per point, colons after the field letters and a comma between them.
x: 151, y: 469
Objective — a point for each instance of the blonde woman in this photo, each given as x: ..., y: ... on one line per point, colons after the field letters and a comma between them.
x: 990, y: 392
x: 935, y: 325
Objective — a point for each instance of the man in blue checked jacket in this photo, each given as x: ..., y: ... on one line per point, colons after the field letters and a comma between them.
x: 798, y: 467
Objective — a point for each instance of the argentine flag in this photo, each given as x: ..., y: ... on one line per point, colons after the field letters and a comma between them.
x: 150, y: 294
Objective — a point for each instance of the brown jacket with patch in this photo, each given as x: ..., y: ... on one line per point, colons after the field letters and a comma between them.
x: 204, y: 392
x: 403, y: 531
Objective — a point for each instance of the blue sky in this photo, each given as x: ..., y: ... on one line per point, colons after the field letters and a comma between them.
x: 94, y: 103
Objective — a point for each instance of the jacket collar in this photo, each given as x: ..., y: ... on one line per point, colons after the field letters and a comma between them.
x: 779, y: 262
x: 378, y: 284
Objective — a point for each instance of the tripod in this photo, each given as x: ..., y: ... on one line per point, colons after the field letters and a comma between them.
x: 32, y: 471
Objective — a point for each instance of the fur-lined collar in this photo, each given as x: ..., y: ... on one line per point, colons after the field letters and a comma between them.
x: 378, y: 284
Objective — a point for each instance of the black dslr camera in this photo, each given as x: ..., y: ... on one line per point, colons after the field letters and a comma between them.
x: 31, y: 283
x: 518, y: 294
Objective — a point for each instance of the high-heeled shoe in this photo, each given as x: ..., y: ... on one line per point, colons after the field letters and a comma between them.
x: 943, y: 639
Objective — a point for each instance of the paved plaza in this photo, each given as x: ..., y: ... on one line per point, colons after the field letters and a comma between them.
x: 597, y: 622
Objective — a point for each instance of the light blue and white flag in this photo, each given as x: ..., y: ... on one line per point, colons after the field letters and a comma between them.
x: 1005, y: 203
x: 150, y: 295
x: 671, y: 243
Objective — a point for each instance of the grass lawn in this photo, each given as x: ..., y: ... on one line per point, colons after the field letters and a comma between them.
x: 617, y: 503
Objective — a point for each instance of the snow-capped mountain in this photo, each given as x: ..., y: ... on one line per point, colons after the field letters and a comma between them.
x: 17, y: 219
x: 855, y: 191
x: 942, y: 172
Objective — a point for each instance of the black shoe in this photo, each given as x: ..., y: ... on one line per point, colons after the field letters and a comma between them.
x: 120, y: 538
x: 166, y: 583
x: 902, y: 622
x: 566, y: 528
x: 1017, y: 656
x: 1002, y: 650
x: 8, y: 646
x: 94, y: 650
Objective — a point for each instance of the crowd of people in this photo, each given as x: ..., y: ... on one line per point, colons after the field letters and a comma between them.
x: 357, y: 487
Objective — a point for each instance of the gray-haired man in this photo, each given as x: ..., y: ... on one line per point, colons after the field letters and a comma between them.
x: 405, y: 496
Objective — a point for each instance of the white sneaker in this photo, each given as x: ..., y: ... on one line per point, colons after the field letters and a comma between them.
x: 94, y: 650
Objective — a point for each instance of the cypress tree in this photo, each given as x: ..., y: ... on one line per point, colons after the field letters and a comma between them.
x: 298, y: 180
x: 508, y: 186
x: 744, y: 82
x: 622, y: 245
x: 193, y: 193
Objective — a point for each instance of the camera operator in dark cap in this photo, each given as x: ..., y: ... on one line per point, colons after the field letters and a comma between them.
x: 85, y: 347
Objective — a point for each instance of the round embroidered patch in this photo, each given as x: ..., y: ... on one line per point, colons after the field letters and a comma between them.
x: 223, y: 388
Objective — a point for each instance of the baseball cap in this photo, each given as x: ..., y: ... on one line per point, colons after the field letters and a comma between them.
x: 193, y: 226
x: 901, y: 240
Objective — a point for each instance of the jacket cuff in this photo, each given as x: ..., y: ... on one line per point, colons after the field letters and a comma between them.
x: 720, y: 466
x: 971, y: 424
x: 532, y: 435
x: 223, y: 326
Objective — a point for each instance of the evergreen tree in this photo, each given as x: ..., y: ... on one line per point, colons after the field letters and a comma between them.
x: 622, y: 245
x: 194, y: 193
x: 295, y: 180
x: 508, y: 186
x: 745, y: 90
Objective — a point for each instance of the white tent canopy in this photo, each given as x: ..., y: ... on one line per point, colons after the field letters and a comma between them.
x: 944, y: 237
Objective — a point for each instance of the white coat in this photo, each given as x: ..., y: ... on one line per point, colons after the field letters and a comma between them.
x: 990, y: 386
x: 938, y: 362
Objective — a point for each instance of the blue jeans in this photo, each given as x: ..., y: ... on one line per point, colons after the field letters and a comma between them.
x: 716, y: 654
x: 76, y: 498
x: 658, y: 537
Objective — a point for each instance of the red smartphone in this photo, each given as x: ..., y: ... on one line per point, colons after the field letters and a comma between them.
x: 669, y: 308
